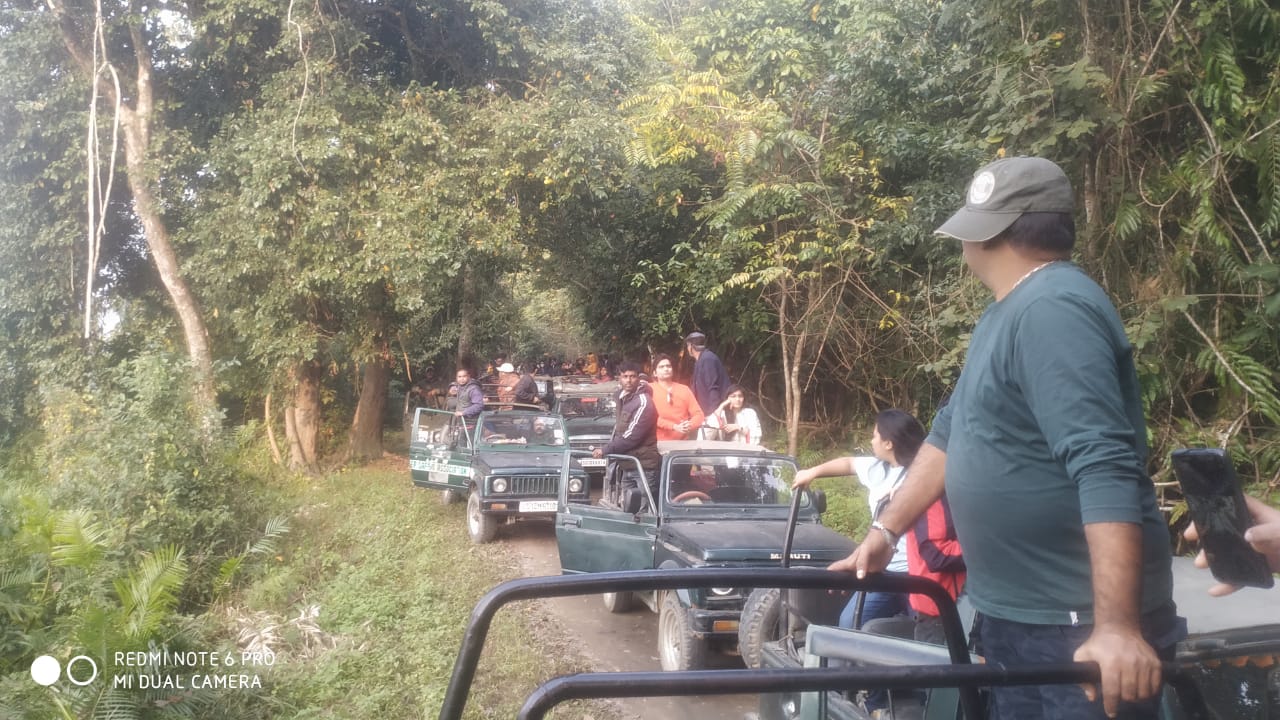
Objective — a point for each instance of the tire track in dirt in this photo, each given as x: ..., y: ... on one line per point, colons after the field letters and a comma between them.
x: 608, y: 642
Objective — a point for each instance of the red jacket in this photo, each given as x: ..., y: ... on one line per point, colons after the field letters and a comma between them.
x: 934, y: 552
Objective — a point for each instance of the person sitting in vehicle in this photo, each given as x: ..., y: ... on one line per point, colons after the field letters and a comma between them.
x: 544, y: 432
x: 933, y: 553
x: 734, y: 421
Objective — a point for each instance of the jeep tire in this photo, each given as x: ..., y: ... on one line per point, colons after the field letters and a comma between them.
x: 449, y: 497
x: 481, y: 526
x: 759, y: 624
x: 618, y: 602
x: 678, y: 647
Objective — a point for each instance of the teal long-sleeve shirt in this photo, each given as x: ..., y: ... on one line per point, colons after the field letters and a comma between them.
x: 1045, y: 433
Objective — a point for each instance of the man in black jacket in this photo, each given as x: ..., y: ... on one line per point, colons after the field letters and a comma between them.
x: 635, y: 432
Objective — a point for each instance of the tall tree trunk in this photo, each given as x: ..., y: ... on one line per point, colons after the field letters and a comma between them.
x: 467, y: 321
x: 302, y: 418
x: 365, y: 440
x: 136, y: 123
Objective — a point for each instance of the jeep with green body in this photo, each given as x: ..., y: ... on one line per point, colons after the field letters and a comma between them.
x: 1231, y: 656
x: 713, y: 504
x: 1220, y: 671
x: 589, y: 410
x: 507, y: 462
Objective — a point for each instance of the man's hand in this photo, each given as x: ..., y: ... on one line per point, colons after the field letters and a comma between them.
x: 1264, y: 536
x: 682, y: 427
x: 803, y: 478
x: 597, y: 453
x: 872, y: 556
x: 458, y: 413
x: 1130, y: 667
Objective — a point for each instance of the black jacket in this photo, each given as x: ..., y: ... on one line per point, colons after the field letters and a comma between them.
x: 635, y: 432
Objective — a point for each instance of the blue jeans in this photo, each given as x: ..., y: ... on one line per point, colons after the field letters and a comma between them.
x: 877, y: 605
x: 1014, y: 643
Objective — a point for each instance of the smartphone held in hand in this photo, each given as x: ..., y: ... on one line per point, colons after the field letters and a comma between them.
x: 1217, y: 507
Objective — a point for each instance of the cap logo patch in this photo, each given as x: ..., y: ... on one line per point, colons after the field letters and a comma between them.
x: 983, y: 185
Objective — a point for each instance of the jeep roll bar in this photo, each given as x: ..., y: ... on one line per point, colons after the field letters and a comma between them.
x: 961, y: 674
x: 706, y: 682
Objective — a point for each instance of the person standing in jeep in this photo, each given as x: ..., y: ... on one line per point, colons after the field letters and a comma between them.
x: 678, y: 411
x: 470, y: 398
x: 635, y: 432
x: 710, y: 380
x: 1042, y: 454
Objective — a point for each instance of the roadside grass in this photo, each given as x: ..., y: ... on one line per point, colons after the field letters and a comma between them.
x: 394, y: 579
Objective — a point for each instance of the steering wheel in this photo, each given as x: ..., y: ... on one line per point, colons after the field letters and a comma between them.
x: 690, y: 495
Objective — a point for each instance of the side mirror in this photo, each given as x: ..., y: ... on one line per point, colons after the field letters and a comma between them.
x: 819, y: 501
x: 633, y: 500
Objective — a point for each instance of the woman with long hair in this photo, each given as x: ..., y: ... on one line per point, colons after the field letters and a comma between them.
x: 735, y: 421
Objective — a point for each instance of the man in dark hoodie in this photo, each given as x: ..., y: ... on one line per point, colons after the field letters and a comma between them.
x: 635, y: 432
x: 470, y: 399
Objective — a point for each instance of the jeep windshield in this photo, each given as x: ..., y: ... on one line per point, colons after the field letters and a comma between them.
x: 524, y: 430
x: 731, y: 480
x: 587, y: 406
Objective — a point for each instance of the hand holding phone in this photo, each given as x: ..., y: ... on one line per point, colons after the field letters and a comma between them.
x: 1221, y: 516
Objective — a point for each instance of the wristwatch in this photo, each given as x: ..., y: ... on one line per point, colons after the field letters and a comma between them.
x: 890, y: 536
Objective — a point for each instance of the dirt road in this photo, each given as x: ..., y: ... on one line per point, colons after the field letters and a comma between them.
x: 616, y: 642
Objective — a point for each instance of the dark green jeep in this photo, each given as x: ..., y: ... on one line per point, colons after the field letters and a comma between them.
x: 589, y: 410
x: 506, y: 462
x: 718, y: 504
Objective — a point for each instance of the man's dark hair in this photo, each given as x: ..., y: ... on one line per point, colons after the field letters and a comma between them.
x: 663, y: 356
x: 629, y: 366
x: 903, y: 430
x: 1052, y: 233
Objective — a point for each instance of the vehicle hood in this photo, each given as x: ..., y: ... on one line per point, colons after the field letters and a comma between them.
x: 756, y: 542
x: 532, y: 462
x: 589, y: 426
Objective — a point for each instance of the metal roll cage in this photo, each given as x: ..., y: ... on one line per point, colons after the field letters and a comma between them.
x: 961, y: 674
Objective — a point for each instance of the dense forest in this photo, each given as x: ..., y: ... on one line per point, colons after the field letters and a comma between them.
x: 235, y: 229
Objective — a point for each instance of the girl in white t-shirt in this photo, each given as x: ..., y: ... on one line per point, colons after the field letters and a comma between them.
x: 894, y: 443
x: 734, y: 419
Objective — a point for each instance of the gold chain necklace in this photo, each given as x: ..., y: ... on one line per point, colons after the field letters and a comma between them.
x: 1029, y: 273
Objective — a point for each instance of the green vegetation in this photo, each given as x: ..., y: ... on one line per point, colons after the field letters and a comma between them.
x: 372, y: 592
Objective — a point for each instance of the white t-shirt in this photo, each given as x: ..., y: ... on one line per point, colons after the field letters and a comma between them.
x: 880, y: 479
x: 748, y: 421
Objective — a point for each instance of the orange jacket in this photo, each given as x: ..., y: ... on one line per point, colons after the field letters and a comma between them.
x: 675, y: 406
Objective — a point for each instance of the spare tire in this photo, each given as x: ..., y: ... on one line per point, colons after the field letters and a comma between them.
x: 759, y: 624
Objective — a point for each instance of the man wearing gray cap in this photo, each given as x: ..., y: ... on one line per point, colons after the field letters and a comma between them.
x: 1042, y: 453
x: 710, y: 381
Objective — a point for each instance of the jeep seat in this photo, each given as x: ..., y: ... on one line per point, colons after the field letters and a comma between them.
x: 825, y: 643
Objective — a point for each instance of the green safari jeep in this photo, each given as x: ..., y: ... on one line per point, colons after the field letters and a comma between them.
x: 507, y: 463
x: 714, y: 504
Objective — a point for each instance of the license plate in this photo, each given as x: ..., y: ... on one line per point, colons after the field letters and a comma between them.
x: 591, y: 462
x: 537, y: 506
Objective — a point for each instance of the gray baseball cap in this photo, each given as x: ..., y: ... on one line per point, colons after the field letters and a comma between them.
x: 1001, y: 191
